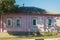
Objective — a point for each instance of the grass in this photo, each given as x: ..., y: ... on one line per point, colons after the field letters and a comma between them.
x: 29, y: 37
x: 11, y: 39
x: 57, y: 36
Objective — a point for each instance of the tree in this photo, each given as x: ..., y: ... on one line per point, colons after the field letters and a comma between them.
x: 6, y: 6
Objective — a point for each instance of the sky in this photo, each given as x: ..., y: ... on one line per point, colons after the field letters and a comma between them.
x: 49, y: 5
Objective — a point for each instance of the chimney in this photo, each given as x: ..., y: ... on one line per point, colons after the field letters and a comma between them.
x: 23, y: 5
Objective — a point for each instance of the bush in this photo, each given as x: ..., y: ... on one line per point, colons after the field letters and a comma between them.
x: 50, y: 33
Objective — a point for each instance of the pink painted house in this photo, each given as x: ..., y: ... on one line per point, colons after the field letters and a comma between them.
x: 29, y: 19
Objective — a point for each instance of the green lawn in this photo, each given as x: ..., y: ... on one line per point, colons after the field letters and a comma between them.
x: 6, y: 37
x: 29, y: 37
x: 57, y: 36
x: 11, y: 39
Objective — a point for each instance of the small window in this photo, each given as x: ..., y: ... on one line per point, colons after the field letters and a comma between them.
x: 9, y: 21
x: 18, y: 22
x: 34, y: 22
x: 49, y: 22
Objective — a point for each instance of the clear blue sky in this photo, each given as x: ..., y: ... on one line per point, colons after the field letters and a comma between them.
x: 49, y: 5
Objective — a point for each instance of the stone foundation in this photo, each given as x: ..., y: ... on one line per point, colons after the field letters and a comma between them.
x: 16, y: 33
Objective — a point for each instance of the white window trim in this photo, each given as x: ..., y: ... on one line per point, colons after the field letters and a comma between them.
x: 32, y: 21
x: 16, y: 21
x: 10, y: 20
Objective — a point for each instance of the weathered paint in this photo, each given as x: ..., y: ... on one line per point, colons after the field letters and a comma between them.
x: 26, y: 23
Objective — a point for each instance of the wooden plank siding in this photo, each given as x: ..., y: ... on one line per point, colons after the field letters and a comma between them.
x: 26, y: 22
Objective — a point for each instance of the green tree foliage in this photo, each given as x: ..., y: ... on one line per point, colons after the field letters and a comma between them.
x: 7, y: 5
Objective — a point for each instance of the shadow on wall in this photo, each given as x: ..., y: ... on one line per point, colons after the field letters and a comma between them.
x: 18, y: 33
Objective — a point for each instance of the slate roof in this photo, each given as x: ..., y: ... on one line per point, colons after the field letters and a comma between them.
x: 30, y: 10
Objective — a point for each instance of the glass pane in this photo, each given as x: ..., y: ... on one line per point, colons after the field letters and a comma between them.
x: 18, y: 22
x: 34, y: 22
x: 49, y: 22
x: 9, y: 22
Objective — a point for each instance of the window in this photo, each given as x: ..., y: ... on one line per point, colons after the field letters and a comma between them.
x: 34, y: 22
x: 9, y: 21
x: 49, y: 22
x: 18, y: 22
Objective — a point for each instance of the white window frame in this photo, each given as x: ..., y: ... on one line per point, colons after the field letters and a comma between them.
x: 18, y: 18
x: 10, y: 20
x: 32, y: 21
